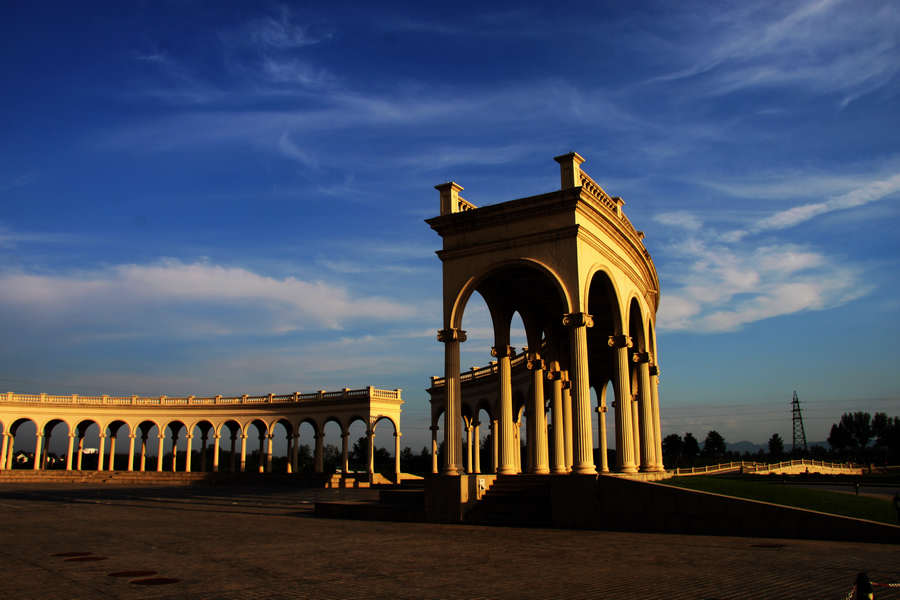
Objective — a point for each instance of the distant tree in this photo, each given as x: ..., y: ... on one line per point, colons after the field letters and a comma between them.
x: 839, y: 439
x: 859, y: 424
x: 359, y: 456
x: 672, y: 447
x: 691, y: 448
x: 887, y: 437
x: 331, y: 458
x: 714, y: 445
x: 776, y: 446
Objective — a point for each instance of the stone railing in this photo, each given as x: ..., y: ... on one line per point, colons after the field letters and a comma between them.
x: 760, y: 467
x: 464, y: 204
x: 75, y: 399
x: 615, y: 206
x: 480, y: 372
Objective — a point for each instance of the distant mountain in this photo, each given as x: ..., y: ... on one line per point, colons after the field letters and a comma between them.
x: 746, y: 446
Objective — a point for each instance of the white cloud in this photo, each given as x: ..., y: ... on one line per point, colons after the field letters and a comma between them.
x: 681, y: 219
x: 177, y: 299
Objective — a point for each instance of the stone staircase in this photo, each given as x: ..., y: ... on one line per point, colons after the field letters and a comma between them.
x: 404, y: 502
x: 514, y: 500
x: 102, y: 477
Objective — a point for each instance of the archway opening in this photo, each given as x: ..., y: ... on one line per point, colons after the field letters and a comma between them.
x: 176, y: 439
x: 202, y: 446
x: 87, y: 446
x: 230, y: 446
x: 21, y: 452
x: 257, y: 444
x: 147, y: 447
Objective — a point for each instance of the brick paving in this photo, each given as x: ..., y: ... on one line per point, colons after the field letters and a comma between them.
x: 264, y: 543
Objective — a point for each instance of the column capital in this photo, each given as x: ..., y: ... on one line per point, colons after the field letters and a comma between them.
x: 397, y: 434
x: 132, y: 435
x: 566, y: 384
x: 189, y: 436
x: 102, y: 436
x: 654, y: 371
x: 345, y: 434
x: 578, y: 319
x: 434, y: 428
x: 620, y: 341
x: 71, y: 434
x: 640, y: 357
x: 601, y: 409
x: 551, y: 375
x: 161, y: 436
x: 317, y: 435
x: 503, y: 351
x: 243, y: 436
x: 451, y: 335
x: 533, y: 361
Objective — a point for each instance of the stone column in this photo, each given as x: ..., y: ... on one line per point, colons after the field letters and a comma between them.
x: 452, y: 400
x: 38, y: 450
x: 216, y: 442
x: 11, y: 452
x: 4, y: 445
x: 567, y: 420
x: 397, y: 435
x: 370, y: 453
x: 111, y: 465
x: 174, y: 451
x: 295, y: 453
x: 345, y: 452
x: 601, y: 427
x: 635, y: 431
x: 556, y: 413
x: 319, y: 455
x: 188, y: 453
x: 468, y: 446
x: 517, y: 443
x: 540, y: 460
x: 582, y: 436
x: 46, y: 449
x: 624, y: 442
x: 131, y: 437
x: 101, y: 451
x: 654, y: 397
x: 80, y: 452
x: 143, y: 462
x: 159, y: 452
x: 261, y: 462
x: 508, y: 437
x: 269, y: 450
x: 645, y: 407
x: 69, y: 449
x: 233, y: 465
x: 243, y: 452
x: 477, y: 450
x: 434, y: 449
x: 204, y: 444
x: 495, y: 447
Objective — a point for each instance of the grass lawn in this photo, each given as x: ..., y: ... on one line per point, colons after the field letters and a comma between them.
x: 791, y: 495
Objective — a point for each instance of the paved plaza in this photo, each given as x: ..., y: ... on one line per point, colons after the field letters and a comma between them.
x: 106, y: 542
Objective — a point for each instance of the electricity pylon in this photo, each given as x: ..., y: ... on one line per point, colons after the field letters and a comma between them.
x: 799, y: 442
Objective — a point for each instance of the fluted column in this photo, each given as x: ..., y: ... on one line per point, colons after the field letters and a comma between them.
x: 243, y: 452
x: 397, y: 435
x: 477, y: 456
x: 101, y: 451
x: 540, y: 459
x: 601, y: 427
x: 295, y: 452
x: 38, y: 450
x: 204, y: 445
x: 188, y: 452
x: 452, y: 400
x: 582, y: 436
x: 174, y: 452
x: 233, y: 460
x: 111, y: 465
x: 434, y: 449
x: 468, y: 446
x: 69, y: 449
x: 508, y: 451
x: 567, y: 420
x: 143, y: 463
x: 80, y: 453
x: 345, y: 452
x: 495, y: 447
x: 370, y: 453
x: 319, y: 454
x: 624, y: 442
x: 4, y: 449
x: 645, y: 413
x: 4, y: 445
x: 636, y: 431
x: 216, y: 442
x: 269, y: 449
x: 556, y: 413
x: 131, y: 437
x: 159, y: 452
x: 654, y: 396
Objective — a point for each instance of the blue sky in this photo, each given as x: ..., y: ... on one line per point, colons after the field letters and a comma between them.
x: 201, y: 198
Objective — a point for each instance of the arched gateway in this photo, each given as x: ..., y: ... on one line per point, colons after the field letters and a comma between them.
x: 575, y: 269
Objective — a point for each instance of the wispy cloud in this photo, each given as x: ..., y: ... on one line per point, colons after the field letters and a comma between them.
x: 11, y: 239
x: 826, y: 46
x: 176, y: 299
